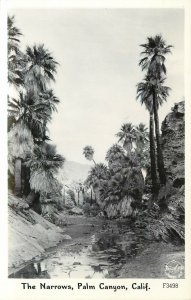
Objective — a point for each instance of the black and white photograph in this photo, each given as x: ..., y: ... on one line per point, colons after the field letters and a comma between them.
x: 96, y: 146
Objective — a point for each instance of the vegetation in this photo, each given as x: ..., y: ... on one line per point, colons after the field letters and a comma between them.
x: 154, y: 62
x: 122, y: 177
x: 88, y: 152
x: 33, y: 162
x: 135, y: 158
x: 153, y: 93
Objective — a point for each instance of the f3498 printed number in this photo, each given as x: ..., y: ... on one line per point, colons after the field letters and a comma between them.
x: 170, y: 285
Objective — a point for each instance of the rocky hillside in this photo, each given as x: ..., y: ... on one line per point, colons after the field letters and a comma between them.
x: 29, y: 233
x: 173, y: 144
x: 170, y: 225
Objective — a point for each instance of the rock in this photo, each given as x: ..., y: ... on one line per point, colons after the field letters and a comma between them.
x: 76, y: 211
x: 173, y: 144
x: 17, y: 203
x: 178, y: 108
x: 29, y: 234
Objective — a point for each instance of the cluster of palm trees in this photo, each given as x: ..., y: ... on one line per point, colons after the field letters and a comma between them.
x: 152, y: 93
x: 122, y: 176
x: 33, y: 162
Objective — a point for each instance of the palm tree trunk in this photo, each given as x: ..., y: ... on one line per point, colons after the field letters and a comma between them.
x: 161, y: 169
x: 154, y: 175
x: 25, y: 180
x: 17, y: 177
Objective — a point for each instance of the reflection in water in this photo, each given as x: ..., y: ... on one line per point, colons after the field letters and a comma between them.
x: 98, y: 260
x: 33, y: 270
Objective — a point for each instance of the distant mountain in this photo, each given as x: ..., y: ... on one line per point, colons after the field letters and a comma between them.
x: 73, y: 171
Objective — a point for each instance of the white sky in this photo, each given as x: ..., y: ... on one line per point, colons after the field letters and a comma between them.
x: 98, y: 52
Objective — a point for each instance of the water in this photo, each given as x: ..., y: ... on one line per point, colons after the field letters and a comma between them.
x: 98, y: 249
x: 100, y: 259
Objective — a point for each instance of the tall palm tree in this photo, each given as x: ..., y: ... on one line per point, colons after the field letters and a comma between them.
x: 145, y: 96
x: 88, y: 152
x: 31, y: 112
x: 126, y: 136
x: 16, y: 60
x: 154, y: 62
x: 154, y: 56
x: 145, y: 92
x: 40, y: 69
x: 27, y: 119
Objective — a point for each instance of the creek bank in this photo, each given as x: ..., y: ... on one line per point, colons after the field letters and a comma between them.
x: 30, y: 235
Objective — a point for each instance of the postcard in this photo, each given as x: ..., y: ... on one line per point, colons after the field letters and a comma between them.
x: 96, y: 150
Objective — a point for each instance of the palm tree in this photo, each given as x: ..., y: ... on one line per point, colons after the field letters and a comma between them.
x: 88, y: 152
x: 27, y: 120
x: 145, y: 91
x: 125, y: 177
x: 97, y: 178
x: 16, y: 60
x: 115, y: 157
x: 20, y: 145
x: 142, y: 136
x: 43, y: 164
x: 97, y: 174
x: 49, y: 100
x: 154, y: 56
x: 154, y: 61
x: 40, y: 69
x: 126, y: 136
x: 32, y: 114
x: 35, y: 114
x: 145, y: 96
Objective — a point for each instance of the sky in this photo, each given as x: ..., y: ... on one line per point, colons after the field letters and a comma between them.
x: 98, y: 53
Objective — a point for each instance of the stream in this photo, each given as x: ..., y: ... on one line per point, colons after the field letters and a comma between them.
x: 99, y: 249
x: 93, y: 252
